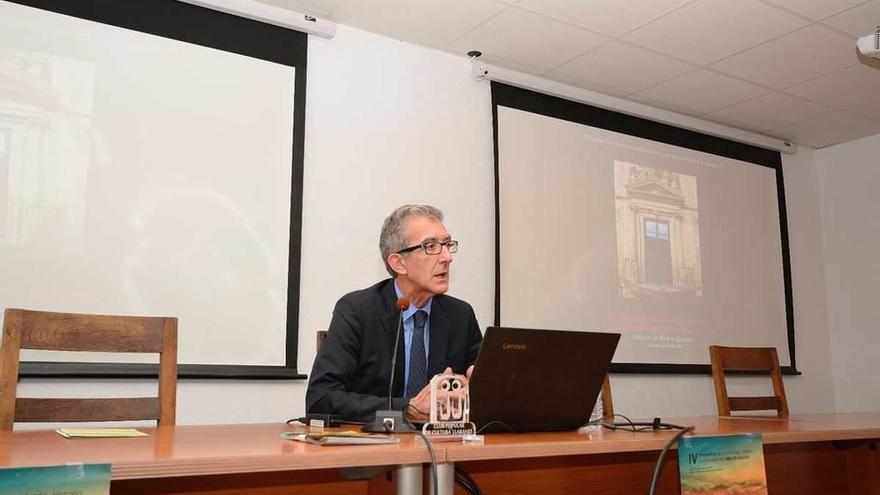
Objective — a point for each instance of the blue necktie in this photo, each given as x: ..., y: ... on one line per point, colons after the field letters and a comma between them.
x: 418, y: 362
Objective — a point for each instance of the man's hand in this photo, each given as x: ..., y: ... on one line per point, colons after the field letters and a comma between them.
x: 420, y: 406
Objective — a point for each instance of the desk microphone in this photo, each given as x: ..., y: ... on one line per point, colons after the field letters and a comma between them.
x: 389, y: 420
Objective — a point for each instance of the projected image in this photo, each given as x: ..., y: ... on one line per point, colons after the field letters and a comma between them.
x: 45, y: 124
x: 658, y: 232
x: 141, y: 174
x: 674, y: 248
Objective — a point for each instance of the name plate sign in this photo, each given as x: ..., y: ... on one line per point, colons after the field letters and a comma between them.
x: 450, y: 409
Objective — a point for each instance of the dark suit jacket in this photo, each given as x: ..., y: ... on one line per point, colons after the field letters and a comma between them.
x: 351, y: 371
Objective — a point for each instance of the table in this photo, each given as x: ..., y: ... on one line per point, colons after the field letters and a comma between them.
x: 806, y: 454
x: 224, y: 459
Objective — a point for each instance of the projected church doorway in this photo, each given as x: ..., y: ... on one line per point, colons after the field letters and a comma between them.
x: 658, y: 232
x: 658, y: 254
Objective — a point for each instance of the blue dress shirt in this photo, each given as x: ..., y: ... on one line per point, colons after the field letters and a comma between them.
x: 408, y: 326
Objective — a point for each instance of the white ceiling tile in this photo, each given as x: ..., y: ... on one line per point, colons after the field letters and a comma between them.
x: 730, y: 122
x: 770, y: 111
x: 707, y: 30
x: 611, y: 67
x: 588, y: 85
x: 814, y: 9
x: 857, y: 21
x: 842, y: 89
x: 699, y: 92
x: 610, y: 17
x: 869, y: 110
x: 795, y: 57
x: 429, y: 22
x: 528, y: 41
x: 510, y: 33
x: 834, y: 128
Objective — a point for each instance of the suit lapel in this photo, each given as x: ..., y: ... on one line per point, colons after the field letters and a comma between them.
x: 439, y: 337
x: 389, y: 326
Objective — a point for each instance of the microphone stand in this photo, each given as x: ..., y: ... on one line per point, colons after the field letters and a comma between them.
x: 389, y: 420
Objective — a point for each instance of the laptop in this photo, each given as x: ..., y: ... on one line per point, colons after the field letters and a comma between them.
x: 534, y: 380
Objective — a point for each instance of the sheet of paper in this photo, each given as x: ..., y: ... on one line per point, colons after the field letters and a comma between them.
x: 100, y: 432
x: 339, y: 438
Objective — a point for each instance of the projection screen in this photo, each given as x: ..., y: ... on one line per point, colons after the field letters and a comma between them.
x: 612, y: 223
x: 151, y: 167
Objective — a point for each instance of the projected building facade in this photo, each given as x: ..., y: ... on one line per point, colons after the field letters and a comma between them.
x: 658, y: 232
x: 45, y: 147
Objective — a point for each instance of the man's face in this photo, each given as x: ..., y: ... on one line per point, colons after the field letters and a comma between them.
x: 423, y: 275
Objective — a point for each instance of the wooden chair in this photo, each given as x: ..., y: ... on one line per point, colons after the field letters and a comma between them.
x: 607, y: 403
x: 747, y: 359
x: 43, y: 330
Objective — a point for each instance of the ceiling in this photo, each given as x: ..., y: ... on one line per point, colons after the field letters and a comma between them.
x: 784, y: 68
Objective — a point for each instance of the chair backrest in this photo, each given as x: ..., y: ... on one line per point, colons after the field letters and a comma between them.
x: 607, y: 403
x: 43, y: 330
x: 755, y: 359
x: 320, y: 335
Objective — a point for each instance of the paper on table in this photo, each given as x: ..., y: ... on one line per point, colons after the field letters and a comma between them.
x: 339, y: 438
x: 99, y: 432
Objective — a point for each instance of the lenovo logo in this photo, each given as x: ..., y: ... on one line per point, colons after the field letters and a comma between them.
x: 513, y: 347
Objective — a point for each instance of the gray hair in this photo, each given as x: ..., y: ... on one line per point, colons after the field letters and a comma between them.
x: 392, y: 238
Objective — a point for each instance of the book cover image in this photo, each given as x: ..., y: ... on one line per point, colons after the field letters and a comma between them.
x: 722, y: 465
x: 79, y: 479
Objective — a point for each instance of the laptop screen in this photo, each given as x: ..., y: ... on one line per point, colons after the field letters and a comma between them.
x: 532, y: 380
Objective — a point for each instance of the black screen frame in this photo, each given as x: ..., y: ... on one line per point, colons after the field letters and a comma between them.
x: 551, y: 106
x: 205, y: 27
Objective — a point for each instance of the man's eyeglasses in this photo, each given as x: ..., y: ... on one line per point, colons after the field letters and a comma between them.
x: 433, y: 247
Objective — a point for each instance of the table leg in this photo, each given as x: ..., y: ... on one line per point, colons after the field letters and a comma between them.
x: 445, y: 478
x: 409, y: 479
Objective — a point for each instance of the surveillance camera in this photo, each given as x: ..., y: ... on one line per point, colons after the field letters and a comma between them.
x: 869, y: 45
x: 478, y: 70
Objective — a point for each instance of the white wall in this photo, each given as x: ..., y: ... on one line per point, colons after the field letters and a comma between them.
x: 813, y: 390
x: 389, y: 123
x: 849, y: 181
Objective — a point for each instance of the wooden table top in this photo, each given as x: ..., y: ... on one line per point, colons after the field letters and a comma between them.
x: 201, y: 450
x: 249, y: 448
x: 796, y: 429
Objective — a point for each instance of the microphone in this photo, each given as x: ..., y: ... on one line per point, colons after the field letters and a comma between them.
x: 401, y: 306
x: 389, y: 420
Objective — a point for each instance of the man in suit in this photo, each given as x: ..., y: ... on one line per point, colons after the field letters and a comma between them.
x: 351, y: 372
